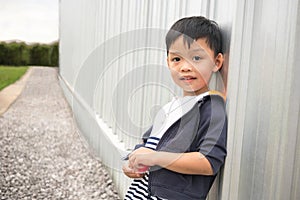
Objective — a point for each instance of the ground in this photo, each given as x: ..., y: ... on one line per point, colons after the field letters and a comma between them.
x: 42, y: 154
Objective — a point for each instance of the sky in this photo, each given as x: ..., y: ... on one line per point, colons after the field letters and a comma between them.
x: 29, y: 20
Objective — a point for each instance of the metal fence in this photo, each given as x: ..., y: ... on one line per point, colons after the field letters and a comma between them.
x: 114, y: 75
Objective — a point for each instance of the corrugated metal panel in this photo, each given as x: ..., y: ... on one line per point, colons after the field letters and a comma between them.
x: 112, y: 61
x: 263, y: 102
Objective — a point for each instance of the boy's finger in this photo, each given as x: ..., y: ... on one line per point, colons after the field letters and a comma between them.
x: 134, y: 175
x: 127, y: 169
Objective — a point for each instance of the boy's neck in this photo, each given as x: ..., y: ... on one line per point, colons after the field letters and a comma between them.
x: 210, y: 92
x: 195, y: 93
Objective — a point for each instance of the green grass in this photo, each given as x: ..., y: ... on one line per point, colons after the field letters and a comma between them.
x: 10, y: 74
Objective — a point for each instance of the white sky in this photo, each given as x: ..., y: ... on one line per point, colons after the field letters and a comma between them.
x: 29, y: 20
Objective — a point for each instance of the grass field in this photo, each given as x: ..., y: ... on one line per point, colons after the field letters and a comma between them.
x: 10, y: 74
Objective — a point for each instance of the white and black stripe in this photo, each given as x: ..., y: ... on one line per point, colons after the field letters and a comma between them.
x: 152, y: 142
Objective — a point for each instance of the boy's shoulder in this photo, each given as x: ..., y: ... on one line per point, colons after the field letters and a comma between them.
x: 214, y: 97
x: 217, y: 94
x: 213, y: 103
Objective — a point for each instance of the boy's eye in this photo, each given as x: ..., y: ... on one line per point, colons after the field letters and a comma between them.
x: 196, y: 58
x: 176, y: 59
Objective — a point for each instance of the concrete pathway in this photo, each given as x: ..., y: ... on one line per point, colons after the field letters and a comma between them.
x: 9, y: 94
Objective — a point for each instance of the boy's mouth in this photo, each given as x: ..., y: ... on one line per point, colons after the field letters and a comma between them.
x: 187, y: 78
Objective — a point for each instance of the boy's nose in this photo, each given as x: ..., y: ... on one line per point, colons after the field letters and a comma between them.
x: 186, y: 67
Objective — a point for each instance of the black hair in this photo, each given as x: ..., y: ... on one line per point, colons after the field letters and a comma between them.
x: 194, y: 28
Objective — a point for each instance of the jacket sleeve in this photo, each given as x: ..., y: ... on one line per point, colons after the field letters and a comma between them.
x: 212, y: 132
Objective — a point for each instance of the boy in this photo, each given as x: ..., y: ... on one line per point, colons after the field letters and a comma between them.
x: 186, y: 146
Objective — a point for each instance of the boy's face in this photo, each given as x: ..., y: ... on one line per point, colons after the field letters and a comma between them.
x: 191, y: 68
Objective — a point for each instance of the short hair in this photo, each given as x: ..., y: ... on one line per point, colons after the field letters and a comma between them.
x: 194, y: 28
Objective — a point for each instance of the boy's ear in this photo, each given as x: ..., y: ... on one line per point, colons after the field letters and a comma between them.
x: 218, y: 62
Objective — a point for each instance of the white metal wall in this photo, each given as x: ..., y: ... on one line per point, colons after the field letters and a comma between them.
x: 113, y: 72
x: 263, y: 107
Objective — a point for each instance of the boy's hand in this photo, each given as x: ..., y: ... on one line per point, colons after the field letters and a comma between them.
x: 141, y: 159
x: 130, y: 173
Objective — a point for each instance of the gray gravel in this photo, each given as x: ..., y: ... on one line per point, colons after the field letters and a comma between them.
x: 42, y: 155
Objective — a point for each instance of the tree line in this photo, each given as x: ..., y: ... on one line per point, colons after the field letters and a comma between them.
x: 20, y: 53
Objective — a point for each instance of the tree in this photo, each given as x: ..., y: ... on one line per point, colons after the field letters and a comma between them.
x: 19, y: 53
x: 54, y: 54
x: 3, y: 50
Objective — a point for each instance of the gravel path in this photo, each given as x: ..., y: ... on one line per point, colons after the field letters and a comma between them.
x: 41, y: 153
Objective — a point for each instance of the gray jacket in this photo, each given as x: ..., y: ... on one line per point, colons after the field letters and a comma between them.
x: 202, y: 129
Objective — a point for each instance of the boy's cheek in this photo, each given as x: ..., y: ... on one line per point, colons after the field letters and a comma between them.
x: 175, y: 77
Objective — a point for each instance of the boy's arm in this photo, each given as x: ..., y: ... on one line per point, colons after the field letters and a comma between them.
x: 185, y: 163
x: 212, y: 144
